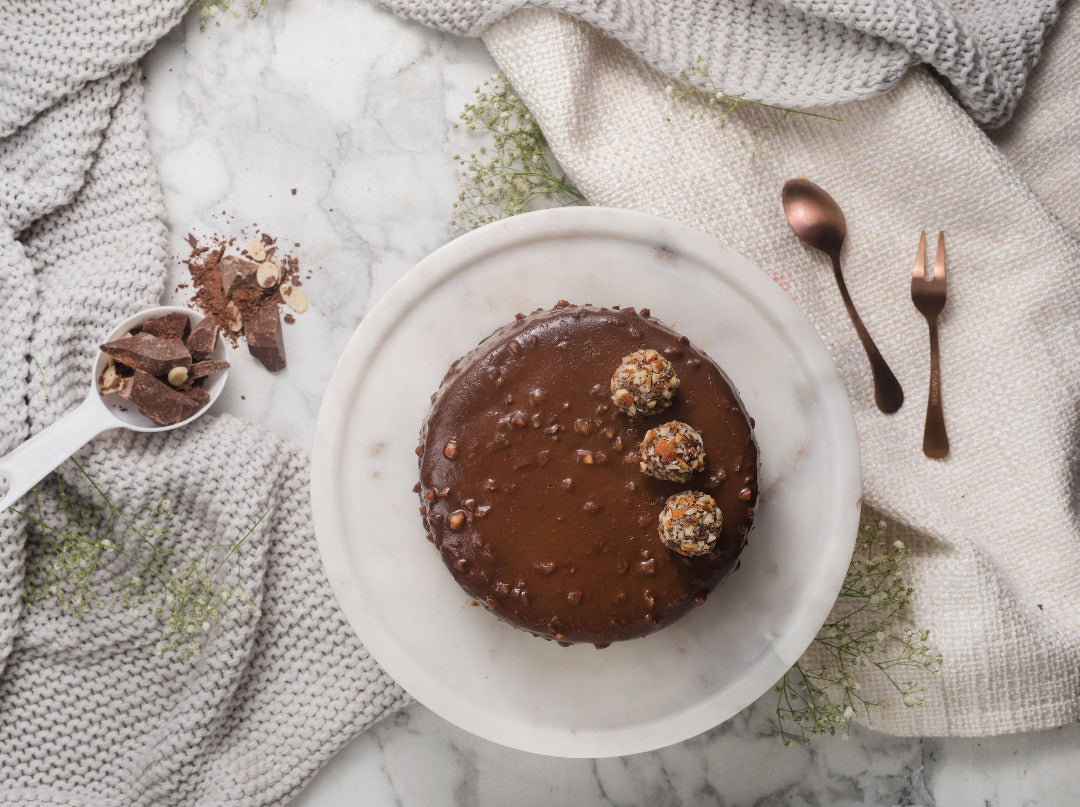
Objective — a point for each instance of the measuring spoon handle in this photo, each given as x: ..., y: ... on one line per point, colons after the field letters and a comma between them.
x: 33, y: 460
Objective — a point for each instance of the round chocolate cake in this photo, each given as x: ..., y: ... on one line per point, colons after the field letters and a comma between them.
x: 541, y: 492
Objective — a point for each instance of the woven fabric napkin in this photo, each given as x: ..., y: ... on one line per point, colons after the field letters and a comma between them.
x: 996, y: 563
x: 88, y: 715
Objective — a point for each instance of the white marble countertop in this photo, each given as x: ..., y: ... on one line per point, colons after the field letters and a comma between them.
x: 354, y: 109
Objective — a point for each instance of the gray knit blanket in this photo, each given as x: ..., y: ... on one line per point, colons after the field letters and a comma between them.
x: 87, y: 713
x: 803, y: 53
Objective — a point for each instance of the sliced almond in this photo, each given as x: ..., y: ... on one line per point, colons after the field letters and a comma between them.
x: 110, y: 380
x: 236, y: 323
x: 269, y: 274
x: 294, y: 298
x: 256, y: 249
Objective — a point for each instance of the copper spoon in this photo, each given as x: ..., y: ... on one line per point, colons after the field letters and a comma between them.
x: 819, y: 223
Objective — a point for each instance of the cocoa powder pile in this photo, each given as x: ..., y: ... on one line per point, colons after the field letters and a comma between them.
x: 242, y: 288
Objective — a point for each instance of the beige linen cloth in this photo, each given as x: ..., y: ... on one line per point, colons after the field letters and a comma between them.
x: 995, y: 528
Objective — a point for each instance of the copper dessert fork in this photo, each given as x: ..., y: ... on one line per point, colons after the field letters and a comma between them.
x: 929, y: 298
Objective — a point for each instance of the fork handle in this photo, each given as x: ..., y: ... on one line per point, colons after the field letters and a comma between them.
x: 935, y: 440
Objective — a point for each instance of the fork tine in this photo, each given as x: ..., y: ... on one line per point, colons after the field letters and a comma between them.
x: 919, y: 271
x: 939, y: 259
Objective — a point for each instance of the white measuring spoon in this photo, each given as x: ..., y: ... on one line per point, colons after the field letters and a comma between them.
x: 33, y: 460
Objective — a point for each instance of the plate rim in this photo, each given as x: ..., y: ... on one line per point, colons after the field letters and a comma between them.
x: 428, y: 274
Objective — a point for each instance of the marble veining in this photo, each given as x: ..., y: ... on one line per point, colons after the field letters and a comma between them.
x: 354, y: 108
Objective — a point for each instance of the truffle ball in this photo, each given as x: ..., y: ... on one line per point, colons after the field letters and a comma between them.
x: 672, y: 452
x: 644, y: 384
x: 690, y: 523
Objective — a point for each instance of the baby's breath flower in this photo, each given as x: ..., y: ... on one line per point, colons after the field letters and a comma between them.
x: 213, y: 10
x: 699, y: 88
x: 90, y: 556
x: 869, y: 627
x: 518, y: 171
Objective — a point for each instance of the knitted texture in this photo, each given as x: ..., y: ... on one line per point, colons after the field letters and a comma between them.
x: 995, y: 564
x: 87, y: 713
x: 800, y: 53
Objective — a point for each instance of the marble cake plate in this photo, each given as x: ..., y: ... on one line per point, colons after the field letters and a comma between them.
x: 501, y: 683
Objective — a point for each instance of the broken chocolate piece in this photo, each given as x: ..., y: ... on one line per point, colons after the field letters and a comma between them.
x: 264, y: 336
x: 199, y: 395
x: 160, y: 402
x: 237, y: 273
x: 175, y: 325
x: 202, y: 369
x: 203, y: 339
x: 146, y: 352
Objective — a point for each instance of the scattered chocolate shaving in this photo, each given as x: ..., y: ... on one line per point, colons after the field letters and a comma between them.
x: 248, y: 301
x: 264, y: 337
x: 236, y: 273
x: 168, y: 326
x: 227, y: 291
x: 149, y: 353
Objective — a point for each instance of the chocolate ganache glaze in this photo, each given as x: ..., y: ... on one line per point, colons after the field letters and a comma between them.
x: 529, y: 479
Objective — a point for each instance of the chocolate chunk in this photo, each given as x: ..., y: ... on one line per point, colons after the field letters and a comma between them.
x: 264, y: 336
x: 146, y: 352
x: 203, y: 339
x: 160, y: 402
x: 168, y: 326
x: 199, y: 395
x: 237, y: 273
x: 202, y: 369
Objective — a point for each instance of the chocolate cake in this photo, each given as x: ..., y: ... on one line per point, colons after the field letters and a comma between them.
x: 533, y: 486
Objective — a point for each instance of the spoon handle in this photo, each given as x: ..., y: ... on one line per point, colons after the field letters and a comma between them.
x: 888, y: 394
x: 33, y: 460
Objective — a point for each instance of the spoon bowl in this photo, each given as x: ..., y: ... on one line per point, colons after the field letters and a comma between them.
x: 819, y: 222
x: 25, y: 466
x: 815, y: 216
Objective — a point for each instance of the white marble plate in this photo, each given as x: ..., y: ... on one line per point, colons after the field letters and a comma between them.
x: 501, y: 683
